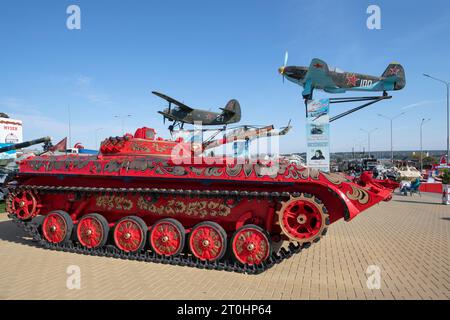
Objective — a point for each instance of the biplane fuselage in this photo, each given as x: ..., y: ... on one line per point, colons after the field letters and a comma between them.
x: 208, y: 118
x: 180, y: 113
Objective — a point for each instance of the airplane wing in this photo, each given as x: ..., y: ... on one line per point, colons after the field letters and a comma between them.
x: 172, y: 100
x: 168, y: 115
x: 319, y: 75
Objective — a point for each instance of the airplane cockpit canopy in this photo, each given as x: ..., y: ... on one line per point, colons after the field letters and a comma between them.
x: 336, y: 69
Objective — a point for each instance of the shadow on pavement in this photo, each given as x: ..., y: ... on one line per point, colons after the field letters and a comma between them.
x: 12, y: 233
x: 446, y: 218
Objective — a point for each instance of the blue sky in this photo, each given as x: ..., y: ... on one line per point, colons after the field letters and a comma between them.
x: 207, y: 52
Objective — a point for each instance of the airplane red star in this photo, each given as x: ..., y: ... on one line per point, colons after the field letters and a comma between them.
x: 352, y: 79
x: 318, y: 65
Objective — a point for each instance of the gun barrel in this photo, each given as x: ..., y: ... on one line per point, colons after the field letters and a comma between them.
x: 25, y: 144
x: 239, y: 134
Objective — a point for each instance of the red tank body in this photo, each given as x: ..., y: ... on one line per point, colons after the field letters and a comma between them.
x: 144, y: 196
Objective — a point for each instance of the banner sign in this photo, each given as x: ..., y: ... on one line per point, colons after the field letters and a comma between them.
x: 318, y: 134
x: 10, y: 133
x: 241, y: 149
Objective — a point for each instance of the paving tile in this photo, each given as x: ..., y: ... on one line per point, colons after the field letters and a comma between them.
x: 407, y: 238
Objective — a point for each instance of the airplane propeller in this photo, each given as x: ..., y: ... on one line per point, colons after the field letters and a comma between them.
x: 281, y: 70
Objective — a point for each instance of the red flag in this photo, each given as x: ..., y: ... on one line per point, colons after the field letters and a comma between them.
x: 60, y: 146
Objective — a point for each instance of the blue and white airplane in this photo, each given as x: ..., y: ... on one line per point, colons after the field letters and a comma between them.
x: 319, y: 76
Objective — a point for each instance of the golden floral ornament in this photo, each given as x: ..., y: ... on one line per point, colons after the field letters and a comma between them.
x: 114, y: 203
x: 358, y: 194
x: 180, y: 207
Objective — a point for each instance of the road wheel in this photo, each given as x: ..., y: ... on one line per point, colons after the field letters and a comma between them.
x: 92, y: 231
x: 57, y: 227
x: 167, y: 237
x: 208, y: 241
x: 250, y: 245
x: 130, y: 234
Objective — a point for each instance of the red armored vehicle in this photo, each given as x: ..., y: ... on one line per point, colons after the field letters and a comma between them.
x: 151, y: 199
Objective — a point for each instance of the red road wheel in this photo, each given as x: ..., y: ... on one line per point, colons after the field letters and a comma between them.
x: 167, y: 237
x: 130, y: 234
x: 250, y: 245
x: 208, y: 241
x: 57, y: 226
x: 24, y: 205
x: 303, y: 218
x: 92, y: 231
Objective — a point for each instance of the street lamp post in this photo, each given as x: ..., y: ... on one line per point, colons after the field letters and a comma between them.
x: 391, y: 119
x: 122, y: 119
x: 421, y: 153
x: 447, y: 84
x: 368, y: 138
x: 96, y: 130
x: 70, y: 126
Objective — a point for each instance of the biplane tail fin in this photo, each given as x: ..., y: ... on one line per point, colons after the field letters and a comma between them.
x: 233, y: 110
x: 396, y: 73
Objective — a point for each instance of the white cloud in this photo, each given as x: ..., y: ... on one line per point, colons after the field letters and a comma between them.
x: 421, y: 103
x: 83, y: 81
x: 11, y: 104
x: 85, y: 90
x: 36, y: 124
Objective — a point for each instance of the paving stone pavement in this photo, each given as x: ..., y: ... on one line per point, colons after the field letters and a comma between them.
x: 408, y: 239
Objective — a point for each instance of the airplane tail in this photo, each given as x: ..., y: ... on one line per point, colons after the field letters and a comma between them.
x: 233, y: 110
x: 396, y: 73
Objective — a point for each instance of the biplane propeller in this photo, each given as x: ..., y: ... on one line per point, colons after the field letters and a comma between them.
x: 319, y: 76
x: 179, y: 113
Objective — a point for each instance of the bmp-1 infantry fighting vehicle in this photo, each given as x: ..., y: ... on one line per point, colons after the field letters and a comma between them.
x: 151, y: 199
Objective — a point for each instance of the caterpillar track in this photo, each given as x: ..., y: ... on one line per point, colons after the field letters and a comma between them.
x: 184, y: 259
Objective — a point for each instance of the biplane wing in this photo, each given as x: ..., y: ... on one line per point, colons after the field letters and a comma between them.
x: 168, y: 116
x: 172, y: 100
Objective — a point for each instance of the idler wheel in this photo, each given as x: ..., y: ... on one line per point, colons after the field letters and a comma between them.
x: 130, y: 234
x: 208, y: 241
x: 92, y: 231
x: 251, y: 245
x: 303, y: 219
x: 167, y: 237
x: 24, y: 205
x: 57, y: 227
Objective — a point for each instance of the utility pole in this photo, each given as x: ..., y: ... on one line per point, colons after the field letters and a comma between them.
x: 391, y: 119
x: 122, y: 121
x: 421, y: 152
x: 447, y: 84
x: 95, y: 141
x: 70, y: 128
x: 368, y: 138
